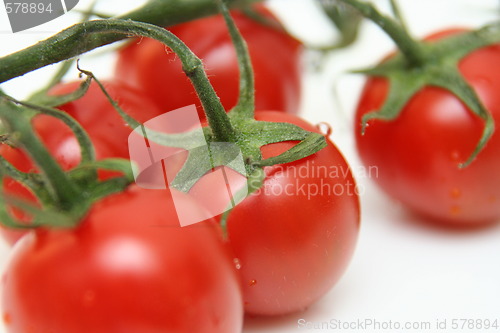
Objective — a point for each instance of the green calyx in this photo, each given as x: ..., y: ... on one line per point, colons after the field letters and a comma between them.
x: 252, y: 135
x: 421, y: 64
x: 75, y: 42
x: 249, y: 134
x: 64, y: 197
x: 228, y: 135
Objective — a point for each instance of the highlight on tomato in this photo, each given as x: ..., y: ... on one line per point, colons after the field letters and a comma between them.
x: 127, y: 267
x: 295, y: 236
x: 113, y: 257
x: 94, y: 112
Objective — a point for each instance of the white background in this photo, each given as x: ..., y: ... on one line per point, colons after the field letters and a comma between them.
x: 403, y: 271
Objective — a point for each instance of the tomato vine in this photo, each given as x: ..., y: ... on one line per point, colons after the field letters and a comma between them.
x: 422, y: 64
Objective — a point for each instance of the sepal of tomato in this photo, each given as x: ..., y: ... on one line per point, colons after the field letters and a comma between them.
x: 98, y: 117
x: 295, y: 236
x: 108, y: 132
x: 127, y: 267
x: 275, y: 58
x: 419, y: 152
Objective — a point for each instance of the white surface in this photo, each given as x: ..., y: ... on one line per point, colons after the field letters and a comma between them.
x: 403, y: 272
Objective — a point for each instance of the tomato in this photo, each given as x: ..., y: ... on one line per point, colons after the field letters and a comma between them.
x: 275, y: 58
x: 418, y: 153
x: 61, y: 143
x: 294, y: 237
x: 127, y: 267
x: 94, y: 112
x: 108, y: 132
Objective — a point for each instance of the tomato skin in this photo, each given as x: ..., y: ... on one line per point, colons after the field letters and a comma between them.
x: 58, y: 139
x: 293, y: 248
x: 108, y: 132
x: 275, y: 58
x: 128, y: 267
x: 418, y: 153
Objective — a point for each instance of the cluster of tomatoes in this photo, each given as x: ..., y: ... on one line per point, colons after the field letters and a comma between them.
x: 128, y: 266
x: 420, y: 154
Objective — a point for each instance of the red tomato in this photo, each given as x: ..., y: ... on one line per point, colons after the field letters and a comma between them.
x: 295, y: 236
x: 275, y: 58
x: 94, y: 112
x: 108, y: 132
x: 128, y: 267
x: 418, y: 153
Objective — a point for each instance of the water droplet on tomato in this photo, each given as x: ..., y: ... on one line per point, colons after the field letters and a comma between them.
x: 455, y: 210
x: 484, y: 81
x: 455, y: 193
x: 252, y: 282
x: 455, y: 156
x: 7, y: 319
x: 324, y: 128
x: 237, y: 263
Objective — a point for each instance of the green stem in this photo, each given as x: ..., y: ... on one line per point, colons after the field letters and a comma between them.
x: 65, y: 45
x: 52, y: 101
x: 65, y: 66
x: 48, y: 217
x: 246, y: 98
x: 313, y: 143
x: 187, y: 140
x: 192, y: 65
x: 63, y: 191
x: 86, y: 146
x: 397, y: 14
x: 30, y: 180
x: 410, y: 48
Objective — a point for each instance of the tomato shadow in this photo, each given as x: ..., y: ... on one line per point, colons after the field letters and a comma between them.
x: 316, y: 312
x: 280, y: 323
x: 414, y: 219
x: 380, y: 206
x: 266, y: 323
